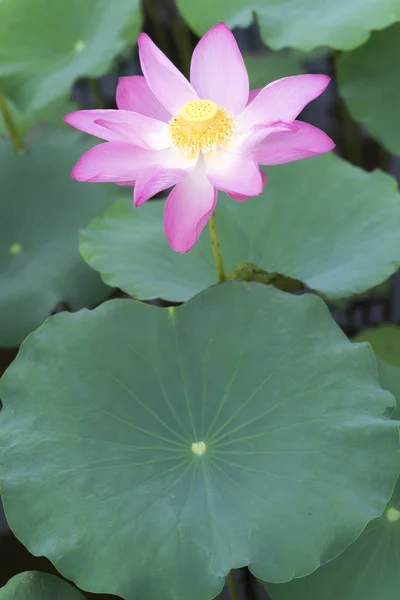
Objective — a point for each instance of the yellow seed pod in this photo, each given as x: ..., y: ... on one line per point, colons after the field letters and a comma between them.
x: 199, y: 113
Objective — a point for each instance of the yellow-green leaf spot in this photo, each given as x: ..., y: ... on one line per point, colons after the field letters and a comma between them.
x: 198, y: 448
x: 171, y: 313
x: 79, y: 46
x: 392, y: 515
x: 15, y: 249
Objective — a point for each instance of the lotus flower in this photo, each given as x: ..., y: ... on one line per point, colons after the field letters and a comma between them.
x: 200, y: 137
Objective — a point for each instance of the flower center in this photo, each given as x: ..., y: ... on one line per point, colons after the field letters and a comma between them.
x: 201, y: 126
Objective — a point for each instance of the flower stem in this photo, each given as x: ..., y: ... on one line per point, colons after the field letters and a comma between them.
x: 383, y: 159
x: 232, y: 587
x: 250, y: 584
x: 96, y: 93
x: 349, y: 130
x: 152, y: 8
x: 183, y: 42
x: 351, y: 140
x: 11, y: 127
x: 212, y: 223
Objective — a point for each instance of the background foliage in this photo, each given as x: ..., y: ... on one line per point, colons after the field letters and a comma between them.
x: 330, y: 225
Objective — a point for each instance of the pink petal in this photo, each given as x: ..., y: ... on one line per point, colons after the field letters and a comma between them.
x: 121, y: 163
x: 84, y: 120
x: 285, y: 147
x: 263, y: 177
x: 236, y: 174
x: 253, y: 94
x: 121, y: 126
x: 238, y: 197
x: 282, y: 100
x: 241, y: 197
x: 124, y: 130
x: 218, y: 72
x: 140, y: 130
x: 260, y: 132
x: 188, y: 208
x: 154, y: 180
x: 168, y: 84
x: 133, y: 93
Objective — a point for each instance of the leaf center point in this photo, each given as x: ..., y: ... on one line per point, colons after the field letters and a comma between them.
x: 198, y: 448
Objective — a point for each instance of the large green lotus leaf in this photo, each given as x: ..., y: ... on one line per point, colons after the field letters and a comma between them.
x: 369, y: 569
x: 385, y: 341
x: 148, y: 451
x: 266, y: 67
x: 33, y: 585
x: 321, y: 220
x: 369, y: 81
x: 45, y: 45
x: 304, y: 25
x: 41, y: 212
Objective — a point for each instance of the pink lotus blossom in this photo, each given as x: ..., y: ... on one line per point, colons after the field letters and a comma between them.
x: 200, y: 137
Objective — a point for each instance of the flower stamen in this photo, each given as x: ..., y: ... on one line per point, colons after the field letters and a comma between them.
x: 201, y: 126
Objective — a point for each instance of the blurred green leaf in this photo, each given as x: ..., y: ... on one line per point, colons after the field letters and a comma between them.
x: 369, y: 82
x: 148, y: 451
x: 32, y: 585
x: 321, y: 221
x: 52, y: 113
x: 266, y: 67
x: 41, y: 212
x: 46, y: 45
x: 304, y: 25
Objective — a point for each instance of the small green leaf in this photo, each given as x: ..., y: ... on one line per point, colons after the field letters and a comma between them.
x: 32, y: 585
x: 148, y: 451
x: 304, y: 25
x: 320, y: 221
x: 385, y: 342
x: 369, y: 82
x: 389, y: 377
x: 41, y: 212
x: 369, y: 569
x: 45, y: 46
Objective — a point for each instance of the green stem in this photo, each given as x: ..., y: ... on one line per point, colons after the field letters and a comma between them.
x: 232, y: 587
x: 383, y: 159
x: 350, y: 131
x: 183, y: 42
x: 96, y: 93
x: 11, y: 127
x: 151, y: 9
x: 250, y: 584
x: 351, y: 137
x: 212, y: 223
